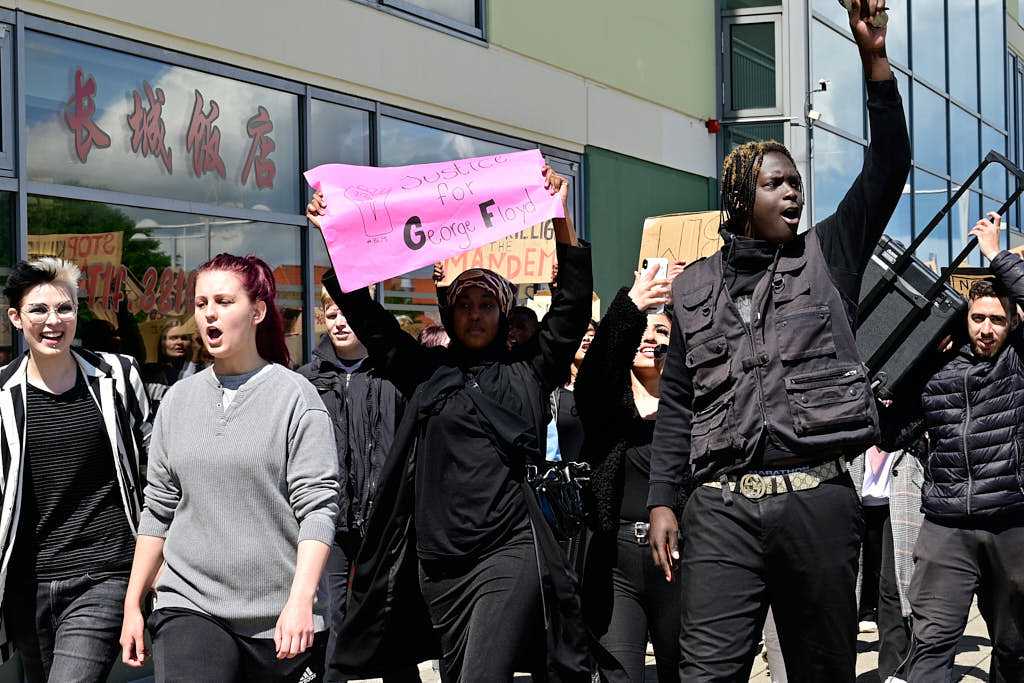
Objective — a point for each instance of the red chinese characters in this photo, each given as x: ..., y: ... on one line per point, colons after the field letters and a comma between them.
x: 203, y: 139
x: 78, y: 115
x: 259, y: 128
x: 147, y: 125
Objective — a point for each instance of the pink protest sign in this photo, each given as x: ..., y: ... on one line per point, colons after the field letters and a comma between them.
x: 383, y: 222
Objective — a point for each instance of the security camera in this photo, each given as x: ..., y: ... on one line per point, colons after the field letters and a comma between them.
x: 823, y: 85
x: 814, y: 115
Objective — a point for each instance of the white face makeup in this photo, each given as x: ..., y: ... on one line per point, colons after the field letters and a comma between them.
x: 48, y: 317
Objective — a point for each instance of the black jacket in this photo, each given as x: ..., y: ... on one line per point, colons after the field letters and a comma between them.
x: 366, y: 410
x: 973, y: 412
x: 691, y: 445
x: 604, y: 397
x: 387, y: 625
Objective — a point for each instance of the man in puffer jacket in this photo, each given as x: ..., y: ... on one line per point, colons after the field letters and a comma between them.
x: 972, y: 538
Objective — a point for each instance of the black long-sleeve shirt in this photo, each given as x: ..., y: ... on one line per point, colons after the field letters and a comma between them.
x: 467, y: 500
x: 847, y: 238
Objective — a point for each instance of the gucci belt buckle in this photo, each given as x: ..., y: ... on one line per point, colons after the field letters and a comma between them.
x: 753, y: 486
x: 640, y: 530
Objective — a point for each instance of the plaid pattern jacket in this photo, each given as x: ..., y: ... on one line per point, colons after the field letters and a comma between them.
x: 904, y: 514
x: 116, y: 386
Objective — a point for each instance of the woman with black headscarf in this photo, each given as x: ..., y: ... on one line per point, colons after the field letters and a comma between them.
x: 457, y: 550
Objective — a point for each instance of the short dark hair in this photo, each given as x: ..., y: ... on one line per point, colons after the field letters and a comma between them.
x: 525, y: 312
x: 43, y: 271
x: 996, y: 290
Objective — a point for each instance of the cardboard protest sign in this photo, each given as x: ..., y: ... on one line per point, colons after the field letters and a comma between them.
x: 383, y: 222
x: 681, y: 236
x: 962, y: 278
x: 522, y: 258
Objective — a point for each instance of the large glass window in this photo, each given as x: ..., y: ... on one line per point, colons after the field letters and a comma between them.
x: 993, y: 55
x: 896, y: 43
x: 900, y: 226
x: 929, y: 128
x: 837, y: 161
x: 108, y: 120
x: 138, y: 268
x: 963, y: 130
x: 929, y: 27
x: 930, y: 195
x: 338, y: 134
x: 462, y: 11
x: 964, y: 214
x: 963, y: 66
x: 7, y: 259
x: 833, y: 10
x: 835, y: 61
x: 993, y: 180
x: 403, y: 143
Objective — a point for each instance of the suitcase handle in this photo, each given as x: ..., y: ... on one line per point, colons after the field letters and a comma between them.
x: 993, y: 157
x: 903, y: 260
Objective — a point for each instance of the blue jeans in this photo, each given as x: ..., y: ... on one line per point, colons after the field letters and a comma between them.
x: 66, y: 630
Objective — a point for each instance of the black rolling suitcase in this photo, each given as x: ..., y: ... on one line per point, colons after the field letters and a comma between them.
x: 905, y: 307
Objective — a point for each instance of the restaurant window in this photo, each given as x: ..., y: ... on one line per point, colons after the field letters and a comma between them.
x: 103, y: 119
x: 412, y: 296
x: 6, y: 97
x: 138, y: 268
x: 7, y: 259
x: 337, y: 135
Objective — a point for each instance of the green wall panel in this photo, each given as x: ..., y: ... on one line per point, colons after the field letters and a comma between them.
x: 621, y: 192
x: 659, y: 50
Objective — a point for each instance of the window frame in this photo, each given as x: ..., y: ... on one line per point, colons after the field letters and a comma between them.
x: 430, y: 19
x: 747, y: 17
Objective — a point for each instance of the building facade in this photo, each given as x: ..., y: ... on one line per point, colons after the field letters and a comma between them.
x: 141, y: 139
x: 791, y: 71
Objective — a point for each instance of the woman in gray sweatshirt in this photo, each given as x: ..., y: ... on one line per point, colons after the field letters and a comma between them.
x: 240, y: 503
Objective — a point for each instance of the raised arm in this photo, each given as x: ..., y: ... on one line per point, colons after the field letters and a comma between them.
x: 603, y: 389
x: 849, y: 236
x: 563, y: 327
x: 1007, y: 266
x: 395, y: 354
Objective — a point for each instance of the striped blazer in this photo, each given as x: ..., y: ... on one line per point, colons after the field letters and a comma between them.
x: 116, y: 386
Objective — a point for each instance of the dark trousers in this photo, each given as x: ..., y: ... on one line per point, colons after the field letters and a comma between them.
x: 190, y: 647
x: 487, y: 613
x: 66, y: 630
x: 950, y: 566
x: 875, y: 517
x: 893, y: 628
x: 795, y: 551
x: 625, y: 598
x: 338, y: 572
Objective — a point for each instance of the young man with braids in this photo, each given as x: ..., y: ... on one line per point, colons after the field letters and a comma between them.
x: 764, y: 398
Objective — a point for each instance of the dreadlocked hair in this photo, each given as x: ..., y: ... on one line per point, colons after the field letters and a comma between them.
x: 739, y: 180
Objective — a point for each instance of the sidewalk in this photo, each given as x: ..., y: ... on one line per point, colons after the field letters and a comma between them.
x: 972, y: 659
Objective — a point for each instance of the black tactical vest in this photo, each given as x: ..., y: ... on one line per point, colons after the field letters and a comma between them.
x: 794, y: 374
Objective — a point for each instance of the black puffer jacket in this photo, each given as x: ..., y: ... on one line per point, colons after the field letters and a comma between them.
x: 974, y: 414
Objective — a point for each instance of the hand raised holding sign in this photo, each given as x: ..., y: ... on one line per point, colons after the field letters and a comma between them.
x: 317, y: 207
x: 556, y: 185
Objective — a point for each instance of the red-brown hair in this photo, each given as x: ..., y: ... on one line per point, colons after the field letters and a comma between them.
x: 258, y: 282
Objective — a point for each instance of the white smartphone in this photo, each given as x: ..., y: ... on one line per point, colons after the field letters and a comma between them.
x: 662, y: 265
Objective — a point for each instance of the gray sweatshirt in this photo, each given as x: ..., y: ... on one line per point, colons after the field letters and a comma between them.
x: 234, y: 491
